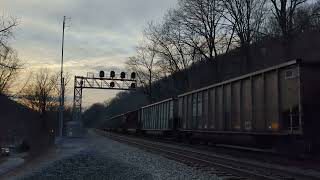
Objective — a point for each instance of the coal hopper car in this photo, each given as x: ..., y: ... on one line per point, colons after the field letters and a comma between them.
x: 126, y: 122
x: 159, y: 118
x: 275, y: 106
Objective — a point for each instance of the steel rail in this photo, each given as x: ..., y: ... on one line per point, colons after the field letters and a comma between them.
x: 250, y: 171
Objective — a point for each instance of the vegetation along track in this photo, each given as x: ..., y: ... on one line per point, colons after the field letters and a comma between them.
x: 224, y: 167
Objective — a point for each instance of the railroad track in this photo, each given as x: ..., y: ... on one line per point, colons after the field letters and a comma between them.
x: 222, y: 166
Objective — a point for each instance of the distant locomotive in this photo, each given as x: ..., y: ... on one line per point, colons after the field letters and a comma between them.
x: 274, y: 107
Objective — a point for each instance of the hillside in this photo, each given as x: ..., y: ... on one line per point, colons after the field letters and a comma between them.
x: 267, y: 53
x: 19, y: 123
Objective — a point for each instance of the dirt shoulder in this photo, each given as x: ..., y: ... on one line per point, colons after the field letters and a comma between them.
x: 29, y: 162
x: 63, y: 148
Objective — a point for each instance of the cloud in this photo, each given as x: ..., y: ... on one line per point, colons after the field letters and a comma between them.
x: 101, y: 34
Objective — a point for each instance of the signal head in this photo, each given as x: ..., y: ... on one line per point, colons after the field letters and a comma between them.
x: 112, y: 84
x: 101, y: 74
x: 123, y: 75
x: 133, y: 75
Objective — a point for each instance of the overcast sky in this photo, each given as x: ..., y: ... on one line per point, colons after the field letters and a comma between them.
x: 101, y: 36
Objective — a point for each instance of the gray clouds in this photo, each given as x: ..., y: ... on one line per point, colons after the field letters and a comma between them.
x: 101, y: 32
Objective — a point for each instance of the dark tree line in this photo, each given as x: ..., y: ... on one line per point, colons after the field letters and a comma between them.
x: 204, y: 30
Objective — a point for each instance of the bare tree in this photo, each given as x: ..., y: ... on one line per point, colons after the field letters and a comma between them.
x: 7, y: 24
x: 284, y: 12
x: 167, y: 51
x: 195, y: 31
x: 42, y: 93
x: 246, y: 16
x: 174, y: 54
x: 145, y: 64
x: 205, y: 28
x: 203, y: 20
x: 9, y: 66
x: 9, y: 61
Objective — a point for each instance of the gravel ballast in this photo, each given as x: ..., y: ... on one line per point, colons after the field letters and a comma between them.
x: 89, y: 165
x: 103, y: 158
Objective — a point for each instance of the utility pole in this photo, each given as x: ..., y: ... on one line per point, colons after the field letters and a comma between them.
x: 62, y: 88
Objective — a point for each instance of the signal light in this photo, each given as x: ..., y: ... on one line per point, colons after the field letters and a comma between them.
x: 133, y: 85
x: 112, y: 74
x: 133, y: 75
x: 101, y: 74
x: 123, y: 75
x: 112, y: 84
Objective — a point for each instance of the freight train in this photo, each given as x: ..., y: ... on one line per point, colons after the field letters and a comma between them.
x: 275, y: 107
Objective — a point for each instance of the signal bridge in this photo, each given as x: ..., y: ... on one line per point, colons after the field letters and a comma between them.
x: 91, y: 82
